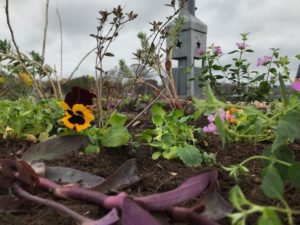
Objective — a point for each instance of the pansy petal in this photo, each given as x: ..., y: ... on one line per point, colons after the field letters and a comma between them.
x: 86, y: 112
x: 67, y: 123
x: 64, y: 105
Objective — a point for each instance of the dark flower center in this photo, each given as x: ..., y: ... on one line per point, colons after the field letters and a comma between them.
x: 76, y: 118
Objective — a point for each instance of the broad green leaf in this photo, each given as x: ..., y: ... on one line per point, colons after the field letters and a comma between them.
x: 92, y: 149
x: 298, y: 57
x: 157, y: 109
x: 294, y: 174
x: 171, y: 153
x: 115, y: 136
x: 283, y: 153
x: 190, y: 155
x: 289, y: 125
x: 117, y: 119
x: 272, y: 184
x: 157, y: 119
x: 270, y: 217
x: 156, y: 155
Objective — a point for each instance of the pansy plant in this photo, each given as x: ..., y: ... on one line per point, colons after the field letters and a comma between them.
x: 78, y: 115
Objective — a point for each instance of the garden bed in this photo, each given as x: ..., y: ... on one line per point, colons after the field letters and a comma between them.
x: 157, y: 176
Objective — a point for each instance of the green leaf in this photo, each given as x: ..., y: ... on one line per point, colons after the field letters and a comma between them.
x: 115, y: 136
x: 156, y: 155
x: 158, y: 110
x: 217, y: 67
x: 272, y: 184
x: 221, y: 129
x: 211, y: 99
x: 157, y: 119
x: 171, y: 153
x: 270, y: 217
x: 289, y: 125
x: 190, y: 155
x: 233, y: 52
x: 91, y: 149
x: 237, y: 198
x: 117, y: 119
x: 294, y: 174
x: 298, y: 57
x: 283, y: 153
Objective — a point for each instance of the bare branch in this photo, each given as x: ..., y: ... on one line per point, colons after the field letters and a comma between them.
x: 11, y: 30
x: 80, y: 62
x: 61, y: 43
x: 45, y: 30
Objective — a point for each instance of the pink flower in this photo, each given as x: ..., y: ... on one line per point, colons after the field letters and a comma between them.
x: 211, y: 118
x: 242, y: 45
x: 210, y: 128
x: 264, y: 61
x: 296, y: 86
x: 199, y: 52
x: 217, y: 50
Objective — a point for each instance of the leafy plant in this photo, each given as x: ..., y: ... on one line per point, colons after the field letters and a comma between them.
x: 280, y: 167
x: 25, y: 118
x: 112, y: 134
x: 174, y: 137
x: 238, y: 81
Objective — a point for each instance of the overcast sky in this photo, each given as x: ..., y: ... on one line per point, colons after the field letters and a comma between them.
x: 271, y: 23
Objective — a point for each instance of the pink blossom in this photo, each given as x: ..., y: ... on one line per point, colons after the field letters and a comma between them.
x: 199, y: 52
x: 296, y: 86
x: 264, y: 61
x: 217, y: 50
x: 242, y: 45
x: 211, y: 118
x: 210, y: 128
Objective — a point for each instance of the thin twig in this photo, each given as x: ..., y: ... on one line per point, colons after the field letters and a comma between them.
x: 20, y: 58
x: 11, y: 30
x: 145, y: 109
x: 45, y: 30
x: 78, y: 65
x: 61, y: 43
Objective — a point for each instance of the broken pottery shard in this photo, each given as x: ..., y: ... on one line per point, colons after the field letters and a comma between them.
x: 66, y: 175
x: 124, y: 176
x: 56, y: 148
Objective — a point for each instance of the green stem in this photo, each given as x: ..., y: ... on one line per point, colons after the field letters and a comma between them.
x: 288, y: 211
x: 262, y: 137
x: 266, y: 158
x: 283, y: 91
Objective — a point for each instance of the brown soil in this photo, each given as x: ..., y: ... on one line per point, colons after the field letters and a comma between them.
x: 157, y: 176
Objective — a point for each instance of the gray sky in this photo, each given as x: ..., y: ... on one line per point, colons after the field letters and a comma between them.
x: 271, y: 23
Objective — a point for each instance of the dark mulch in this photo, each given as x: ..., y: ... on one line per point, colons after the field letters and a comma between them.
x: 157, y: 176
